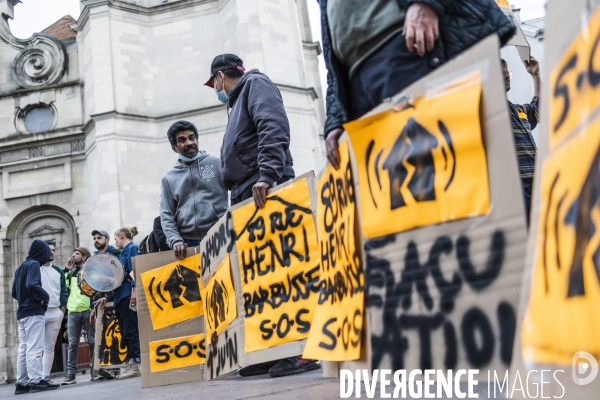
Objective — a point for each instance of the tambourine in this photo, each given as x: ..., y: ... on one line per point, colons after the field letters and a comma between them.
x: 101, y: 273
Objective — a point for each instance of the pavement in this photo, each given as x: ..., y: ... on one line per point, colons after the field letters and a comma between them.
x: 308, y: 386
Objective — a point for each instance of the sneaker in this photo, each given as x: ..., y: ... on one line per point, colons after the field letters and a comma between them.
x: 42, y: 386
x: 69, y: 380
x: 132, y: 371
x: 293, y: 365
x: 21, y: 389
x: 257, y: 369
x: 107, y: 374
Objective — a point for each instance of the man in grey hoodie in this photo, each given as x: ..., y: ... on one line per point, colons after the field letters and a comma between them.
x: 192, y: 197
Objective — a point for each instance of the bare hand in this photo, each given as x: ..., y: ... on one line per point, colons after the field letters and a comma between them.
x: 532, y: 66
x: 180, y: 250
x: 132, y: 302
x: 331, y: 144
x: 259, y: 191
x: 420, y: 28
x: 92, y: 316
x: 100, y: 302
x: 69, y: 264
x: 64, y: 310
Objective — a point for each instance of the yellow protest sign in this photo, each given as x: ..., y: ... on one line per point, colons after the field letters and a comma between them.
x: 503, y: 3
x: 423, y: 165
x: 173, y: 292
x: 564, y: 301
x: 218, y: 297
x: 112, y: 349
x: 177, y: 353
x: 279, y: 266
x: 336, y: 330
x: 574, y: 83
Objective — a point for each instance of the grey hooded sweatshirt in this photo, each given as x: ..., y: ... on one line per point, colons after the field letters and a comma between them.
x: 192, y: 199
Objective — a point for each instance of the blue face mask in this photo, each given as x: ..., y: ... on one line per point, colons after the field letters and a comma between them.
x: 222, y: 95
x: 186, y: 159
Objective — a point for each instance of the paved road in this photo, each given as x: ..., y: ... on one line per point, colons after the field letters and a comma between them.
x: 308, y: 386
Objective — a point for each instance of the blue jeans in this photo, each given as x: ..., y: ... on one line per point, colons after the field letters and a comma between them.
x: 384, y: 74
x: 191, y: 242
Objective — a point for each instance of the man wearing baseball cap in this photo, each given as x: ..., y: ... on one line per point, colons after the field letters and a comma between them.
x: 101, y: 239
x: 255, y: 155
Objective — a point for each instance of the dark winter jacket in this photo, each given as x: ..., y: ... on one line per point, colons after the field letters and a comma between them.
x: 157, y: 240
x: 27, y: 289
x: 257, y: 139
x: 111, y: 250
x: 462, y: 23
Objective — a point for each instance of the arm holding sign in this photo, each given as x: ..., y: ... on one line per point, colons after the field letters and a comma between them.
x: 168, y: 222
x: 533, y: 67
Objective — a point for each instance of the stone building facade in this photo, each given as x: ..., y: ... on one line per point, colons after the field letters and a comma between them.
x: 85, y: 107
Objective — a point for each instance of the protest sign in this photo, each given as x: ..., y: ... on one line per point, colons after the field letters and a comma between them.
x: 336, y: 331
x: 561, y: 290
x: 518, y: 40
x: 451, y: 282
x: 279, y: 266
x: 223, y: 348
x: 111, y: 349
x: 177, y: 353
x: 219, y: 297
x: 168, y: 273
x: 429, y: 167
x: 173, y: 292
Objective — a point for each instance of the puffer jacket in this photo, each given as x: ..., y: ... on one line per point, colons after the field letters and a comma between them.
x: 462, y: 23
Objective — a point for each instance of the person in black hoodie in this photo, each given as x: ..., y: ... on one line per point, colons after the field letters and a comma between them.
x: 32, y: 302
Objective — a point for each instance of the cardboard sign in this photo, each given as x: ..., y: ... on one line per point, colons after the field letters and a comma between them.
x: 224, y: 352
x: 180, y: 367
x: 219, y: 301
x: 177, y: 353
x: 423, y: 165
x: 561, y: 289
x: 518, y: 40
x: 566, y: 277
x: 443, y: 295
x: 336, y: 331
x: 279, y: 267
x: 574, y: 83
x: 173, y: 292
x: 111, y: 349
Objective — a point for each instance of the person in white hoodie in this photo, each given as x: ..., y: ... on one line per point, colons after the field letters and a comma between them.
x: 53, y: 282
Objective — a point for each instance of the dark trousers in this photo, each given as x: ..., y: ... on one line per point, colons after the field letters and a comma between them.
x: 247, y: 193
x: 527, y: 186
x: 384, y: 74
x: 128, y: 323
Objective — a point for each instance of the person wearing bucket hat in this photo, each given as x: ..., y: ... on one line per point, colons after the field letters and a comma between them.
x: 255, y: 154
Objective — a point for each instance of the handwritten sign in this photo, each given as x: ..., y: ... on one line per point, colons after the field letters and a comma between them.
x: 173, y: 292
x: 279, y: 267
x: 112, y: 349
x: 177, y: 353
x: 503, y: 3
x: 219, y: 301
x: 423, y: 165
x: 566, y: 278
x: 336, y: 330
x: 574, y: 83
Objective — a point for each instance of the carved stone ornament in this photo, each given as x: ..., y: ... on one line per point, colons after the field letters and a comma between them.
x: 42, y: 62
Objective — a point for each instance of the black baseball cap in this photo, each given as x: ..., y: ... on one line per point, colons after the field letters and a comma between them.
x: 101, y: 232
x: 224, y: 62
